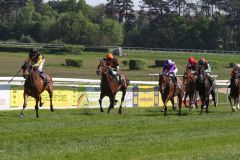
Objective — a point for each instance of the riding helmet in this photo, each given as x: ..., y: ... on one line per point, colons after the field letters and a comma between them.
x: 33, y: 53
x: 109, y: 56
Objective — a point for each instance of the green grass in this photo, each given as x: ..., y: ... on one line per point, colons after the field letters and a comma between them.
x: 140, y: 134
x: 10, y: 63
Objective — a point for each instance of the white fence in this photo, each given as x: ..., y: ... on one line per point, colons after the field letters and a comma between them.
x: 14, y: 90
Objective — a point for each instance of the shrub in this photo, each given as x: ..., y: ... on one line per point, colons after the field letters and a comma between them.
x: 137, y: 64
x: 26, y: 39
x: 232, y: 64
x: 96, y: 49
x: 159, y: 63
x: 74, y: 62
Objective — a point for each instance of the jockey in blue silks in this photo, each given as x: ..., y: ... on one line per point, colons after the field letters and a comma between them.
x: 170, y: 68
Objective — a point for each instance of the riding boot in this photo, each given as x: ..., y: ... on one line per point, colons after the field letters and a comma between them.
x: 210, y: 79
x: 45, y: 80
x: 119, y: 78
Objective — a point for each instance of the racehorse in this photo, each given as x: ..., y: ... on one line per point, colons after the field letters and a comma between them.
x: 110, y: 86
x: 169, y: 91
x: 234, y: 90
x: 204, y: 89
x: 189, y: 80
x: 34, y: 86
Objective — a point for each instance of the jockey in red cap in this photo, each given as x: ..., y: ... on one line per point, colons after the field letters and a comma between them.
x: 192, y: 64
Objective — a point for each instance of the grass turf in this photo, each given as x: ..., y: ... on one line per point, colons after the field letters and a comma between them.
x: 142, y: 133
x: 11, y: 62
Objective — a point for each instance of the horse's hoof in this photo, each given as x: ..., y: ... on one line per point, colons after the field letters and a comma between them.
x: 21, y: 115
x: 119, y: 112
x: 233, y: 109
x: 51, y: 109
x: 162, y: 110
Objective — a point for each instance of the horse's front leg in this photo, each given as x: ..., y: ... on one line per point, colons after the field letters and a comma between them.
x: 238, y: 102
x: 213, y: 97
x: 100, y: 101
x: 36, y: 107
x: 173, y: 104
x: 185, y: 98
x: 122, y: 99
x: 25, y: 96
x: 112, y: 100
x: 207, y: 103
x: 179, y: 104
x: 203, y: 99
x: 230, y: 100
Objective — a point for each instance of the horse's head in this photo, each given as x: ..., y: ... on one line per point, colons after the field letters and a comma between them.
x: 164, y: 82
x: 201, y: 74
x: 102, y: 68
x: 188, y: 76
x: 26, y: 68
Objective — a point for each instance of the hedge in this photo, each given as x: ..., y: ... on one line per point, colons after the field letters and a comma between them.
x: 137, y: 64
x: 159, y: 63
x: 74, y: 62
x: 96, y: 49
x: 232, y: 64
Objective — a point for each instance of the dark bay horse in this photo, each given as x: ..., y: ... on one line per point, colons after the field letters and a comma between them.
x: 34, y: 86
x: 189, y: 80
x: 167, y: 90
x: 110, y: 86
x: 204, y: 88
x: 234, y: 89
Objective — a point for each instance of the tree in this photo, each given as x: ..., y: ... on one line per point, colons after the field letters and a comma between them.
x: 111, y: 33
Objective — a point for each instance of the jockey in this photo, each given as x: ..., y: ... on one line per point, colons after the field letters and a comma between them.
x: 37, y: 61
x: 170, y: 68
x: 113, y: 63
x: 192, y: 64
x: 207, y: 68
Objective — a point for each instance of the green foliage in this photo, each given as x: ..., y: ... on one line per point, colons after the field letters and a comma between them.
x: 137, y: 64
x: 142, y: 133
x: 96, y: 49
x: 74, y: 62
x: 111, y: 33
x: 26, y: 39
x: 159, y: 63
x: 232, y: 64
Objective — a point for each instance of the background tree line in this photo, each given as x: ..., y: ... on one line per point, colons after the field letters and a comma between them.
x: 199, y: 24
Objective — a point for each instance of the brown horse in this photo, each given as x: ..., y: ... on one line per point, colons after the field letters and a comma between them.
x: 234, y: 90
x: 169, y: 91
x: 189, y: 80
x: 204, y: 89
x: 110, y: 86
x: 34, y: 86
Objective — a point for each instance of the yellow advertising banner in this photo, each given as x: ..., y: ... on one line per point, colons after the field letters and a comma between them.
x: 61, y: 97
